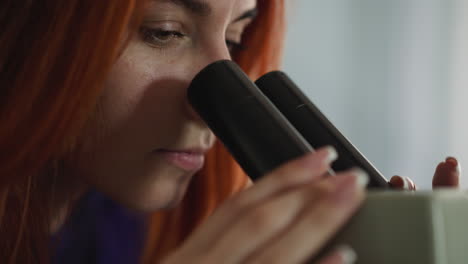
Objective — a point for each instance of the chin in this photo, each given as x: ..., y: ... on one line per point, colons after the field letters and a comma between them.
x: 150, y: 206
x: 165, y: 197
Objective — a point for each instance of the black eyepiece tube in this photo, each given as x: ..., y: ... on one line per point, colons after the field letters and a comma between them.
x: 257, y: 135
x: 314, y: 126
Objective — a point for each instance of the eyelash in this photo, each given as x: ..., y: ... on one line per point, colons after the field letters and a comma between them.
x: 234, y: 46
x: 150, y: 36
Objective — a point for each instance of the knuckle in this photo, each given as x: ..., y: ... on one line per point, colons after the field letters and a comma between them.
x: 237, y: 204
x: 262, y: 220
x: 284, y: 173
x: 321, y: 189
x: 283, y: 177
x: 323, y: 220
x: 320, y: 202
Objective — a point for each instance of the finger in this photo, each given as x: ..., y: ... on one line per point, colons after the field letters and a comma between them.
x: 268, y: 220
x: 299, y: 172
x: 317, y: 223
x: 447, y: 173
x: 296, y: 173
x: 404, y: 183
x: 343, y: 255
x: 256, y: 226
x: 397, y: 182
x: 411, y: 185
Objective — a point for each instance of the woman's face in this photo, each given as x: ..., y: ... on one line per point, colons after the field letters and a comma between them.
x: 147, y: 142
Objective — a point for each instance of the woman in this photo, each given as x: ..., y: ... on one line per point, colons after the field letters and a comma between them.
x: 93, y: 96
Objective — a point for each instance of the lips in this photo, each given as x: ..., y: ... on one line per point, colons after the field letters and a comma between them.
x: 188, y: 160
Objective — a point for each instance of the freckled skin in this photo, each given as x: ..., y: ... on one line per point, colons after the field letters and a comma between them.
x: 143, y: 106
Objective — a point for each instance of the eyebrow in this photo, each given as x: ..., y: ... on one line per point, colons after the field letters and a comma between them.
x: 195, y: 6
x: 252, y: 13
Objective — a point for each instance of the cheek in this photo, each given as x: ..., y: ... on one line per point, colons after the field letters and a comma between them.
x: 143, y: 103
x: 144, y: 78
x: 144, y: 92
x: 125, y: 88
x: 141, y: 108
x: 136, y: 100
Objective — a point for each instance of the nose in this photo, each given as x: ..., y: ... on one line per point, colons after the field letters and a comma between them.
x: 211, y: 53
x: 208, y: 55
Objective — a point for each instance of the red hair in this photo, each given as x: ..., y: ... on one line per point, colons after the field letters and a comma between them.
x: 54, y: 58
x: 53, y: 61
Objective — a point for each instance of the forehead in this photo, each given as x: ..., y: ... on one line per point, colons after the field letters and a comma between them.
x: 206, y: 7
x: 244, y: 5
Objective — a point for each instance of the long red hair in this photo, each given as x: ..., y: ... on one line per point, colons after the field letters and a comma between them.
x: 54, y: 58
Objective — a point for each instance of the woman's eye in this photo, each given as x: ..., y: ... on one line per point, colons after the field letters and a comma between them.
x: 234, y: 46
x: 159, y: 37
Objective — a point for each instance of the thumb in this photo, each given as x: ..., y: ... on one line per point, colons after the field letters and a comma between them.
x: 447, y: 173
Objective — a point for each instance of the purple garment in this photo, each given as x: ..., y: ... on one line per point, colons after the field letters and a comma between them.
x: 100, y: 231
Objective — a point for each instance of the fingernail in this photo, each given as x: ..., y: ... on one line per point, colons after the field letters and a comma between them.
x: 323, y: 156
x: 349, y: 185
x: 362, y: 178
x: 395, y: 182
x: 348, y: 255
x: 405, y: 184
x: 332, y: 154
x: 454, y: 162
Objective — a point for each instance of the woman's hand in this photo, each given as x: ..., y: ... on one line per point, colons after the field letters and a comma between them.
x: 286, y: 217
x: 447, y: 174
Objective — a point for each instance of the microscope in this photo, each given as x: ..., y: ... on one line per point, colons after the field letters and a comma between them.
x: 266, y: 123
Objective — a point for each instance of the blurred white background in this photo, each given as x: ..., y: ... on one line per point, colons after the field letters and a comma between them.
x: 391, y: 74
